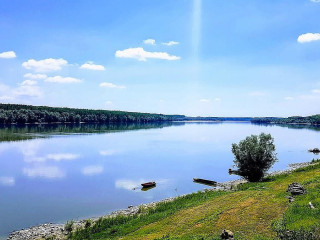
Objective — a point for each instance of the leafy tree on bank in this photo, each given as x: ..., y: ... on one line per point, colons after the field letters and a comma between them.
x: 254, y: 156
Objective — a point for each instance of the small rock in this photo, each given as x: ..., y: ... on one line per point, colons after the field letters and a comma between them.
x: 227, y: 235
x: 291, y: 199
x: 311, y: 205
x: 296, y: 189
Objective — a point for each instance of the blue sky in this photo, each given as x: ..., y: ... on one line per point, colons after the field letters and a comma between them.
x: 193, y: 57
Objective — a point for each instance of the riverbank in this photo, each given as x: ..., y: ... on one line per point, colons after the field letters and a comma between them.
x: 150, y: 214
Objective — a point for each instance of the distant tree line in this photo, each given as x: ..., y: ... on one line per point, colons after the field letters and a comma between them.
x: 222, y: 119
x: 21, y: 114
x: 312, y: 120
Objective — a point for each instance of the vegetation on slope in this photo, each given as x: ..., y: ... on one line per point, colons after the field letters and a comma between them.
x: 253, y: 211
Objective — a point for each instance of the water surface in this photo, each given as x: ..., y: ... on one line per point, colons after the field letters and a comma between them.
x: 74, y: 172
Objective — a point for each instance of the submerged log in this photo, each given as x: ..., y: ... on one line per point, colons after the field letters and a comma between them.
x: 205, y: 181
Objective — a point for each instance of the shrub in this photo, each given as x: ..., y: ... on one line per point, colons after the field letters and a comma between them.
x: 254, y: 156
x: 87, y: 223
x: 280, y: 227
x: 68, y: 226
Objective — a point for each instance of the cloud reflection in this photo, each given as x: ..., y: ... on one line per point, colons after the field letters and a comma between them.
x: 55, y: 157
x: 106, y: 152
x: 62, y: 156
x: 51, y: 172
x: 7, y: 181
x: 128, y: 184
x: 92, y: 170
x: 131, y: 184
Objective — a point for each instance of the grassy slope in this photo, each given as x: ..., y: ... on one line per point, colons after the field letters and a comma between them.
x: 249, y: 212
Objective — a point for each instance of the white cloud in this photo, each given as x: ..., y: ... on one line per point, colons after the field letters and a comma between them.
x: 91, y: 66
x: 59, y: 79
x: 28, y: 90
x: 217, y: 99
x: 257, y: 94
x: 45, y: 65
x: 92, y: 170
x: 308, y: 37
x: 35, y: 76
x: 171, y: 43
x: 4, y: 88
x: 106, y: 152
x: 316, y: 90
x: 149, y: 41
x: 142, y: 55
x: 310, y: 97
x: 316, y: 1
x: 30, y: 159
x: 6, y: 98
x: 111, y: 85
x: 109, y: 103
x: 9, y: 54
x: 29, y: 82
x: 204, y: 100
x: 55, y: 79
x: 7, y: 181
x: 62, y: 156
x: 288, y: 98
x: 44, y: 172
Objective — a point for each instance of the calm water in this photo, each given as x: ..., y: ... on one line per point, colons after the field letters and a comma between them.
x: 91, y: 170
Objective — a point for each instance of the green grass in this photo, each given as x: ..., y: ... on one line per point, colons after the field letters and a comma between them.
x: 106, y: 228
x: 257, y: 211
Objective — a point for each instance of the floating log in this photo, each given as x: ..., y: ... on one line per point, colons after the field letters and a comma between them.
x: 204, y: 181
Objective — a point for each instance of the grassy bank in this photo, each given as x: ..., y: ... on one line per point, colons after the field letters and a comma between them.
x: 253, y: 211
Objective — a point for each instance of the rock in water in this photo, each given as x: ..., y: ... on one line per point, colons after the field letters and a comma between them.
x: 296, y: 189
x: 226, y: 234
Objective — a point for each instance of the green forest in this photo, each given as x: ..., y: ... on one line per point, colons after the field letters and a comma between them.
x: 21, y: 114
x: 312, y: 120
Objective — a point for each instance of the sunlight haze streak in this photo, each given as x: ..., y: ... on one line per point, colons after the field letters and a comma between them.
x: 196, y: 28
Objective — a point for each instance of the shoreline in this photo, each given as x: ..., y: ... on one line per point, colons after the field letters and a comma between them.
x: 51, y: 229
